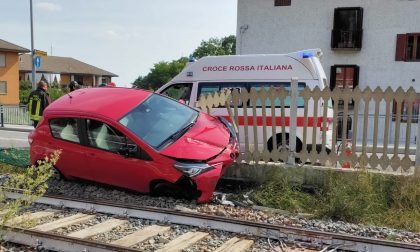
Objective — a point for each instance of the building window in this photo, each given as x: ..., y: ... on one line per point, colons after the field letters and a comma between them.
x: 2, y: 60
x: 344, y: 76
x: 348, y: 28
x: 3, y: 87
x: 282, y: 2
x: 404, y: 111
x: 408, y: 47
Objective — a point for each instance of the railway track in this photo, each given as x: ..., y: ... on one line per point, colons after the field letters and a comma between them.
x: 243, y: 234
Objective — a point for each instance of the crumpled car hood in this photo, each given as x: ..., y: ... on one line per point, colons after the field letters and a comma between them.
x: 207, y: 138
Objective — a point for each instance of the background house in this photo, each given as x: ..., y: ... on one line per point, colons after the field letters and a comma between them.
x: 366, y: 43
x: 9, y: 72
x: 63, y: 70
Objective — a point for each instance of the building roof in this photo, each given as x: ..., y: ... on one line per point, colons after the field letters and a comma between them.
x: 62, y: 65
x: 9, y: 47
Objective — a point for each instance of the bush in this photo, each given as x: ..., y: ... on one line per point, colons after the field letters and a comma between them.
x: 32, y: 183
x: 354, y: 197
x: 25, y: 88
x: 55, y: 93
x: 360, y: 197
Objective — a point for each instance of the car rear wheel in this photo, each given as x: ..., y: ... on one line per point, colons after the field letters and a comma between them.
x: 57, y: 175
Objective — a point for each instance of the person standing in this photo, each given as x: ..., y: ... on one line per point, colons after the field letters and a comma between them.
x: 73, y: 86
x: 38, y: 100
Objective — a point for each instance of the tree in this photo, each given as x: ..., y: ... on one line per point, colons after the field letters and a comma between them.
x: 215, y: 46
x: 163, y: 72
x: 25, y: 88
x: 160, y: 74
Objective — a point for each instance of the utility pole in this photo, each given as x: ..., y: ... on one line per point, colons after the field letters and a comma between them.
x: 33, y: 49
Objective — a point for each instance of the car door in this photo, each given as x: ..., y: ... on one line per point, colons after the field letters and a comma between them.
x: 115, y: 159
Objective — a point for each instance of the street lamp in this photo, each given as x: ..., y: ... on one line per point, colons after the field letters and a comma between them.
x: 32, y: 49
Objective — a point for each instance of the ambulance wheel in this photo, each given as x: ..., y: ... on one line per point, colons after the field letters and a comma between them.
x: 280, y: 144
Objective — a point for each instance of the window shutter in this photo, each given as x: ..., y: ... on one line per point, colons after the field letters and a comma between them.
x: 2, y: 60
x: 333, y: 77
x: 3, y: 87
x: 400, y: 52
x: 282, y: 2
x: 356, y: 76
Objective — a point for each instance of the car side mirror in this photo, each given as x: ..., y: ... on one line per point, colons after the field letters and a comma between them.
x: 128, y: 151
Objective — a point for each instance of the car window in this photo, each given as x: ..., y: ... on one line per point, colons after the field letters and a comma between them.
x: 65, y: 129
x: 159, y: 121
x: 102, y: 136
x: 179, y: 92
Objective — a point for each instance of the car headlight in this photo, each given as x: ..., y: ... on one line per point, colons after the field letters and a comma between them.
x: 193, y: 169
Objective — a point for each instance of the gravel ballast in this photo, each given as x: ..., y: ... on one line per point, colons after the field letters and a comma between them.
x: 93, y: 191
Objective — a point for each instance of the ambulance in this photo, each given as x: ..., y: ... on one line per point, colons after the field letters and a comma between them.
x: 216, y: 73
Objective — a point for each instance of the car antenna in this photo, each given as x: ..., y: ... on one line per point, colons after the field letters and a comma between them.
x: 69, y: 95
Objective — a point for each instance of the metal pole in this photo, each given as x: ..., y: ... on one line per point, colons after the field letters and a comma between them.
x: 293, y: 115
x: 1, y: 116
x: 33, y: 49
x: 417, y: 164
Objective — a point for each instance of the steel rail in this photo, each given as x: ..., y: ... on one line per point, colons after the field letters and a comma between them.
x: 310, y: 238
x: 62, y: 243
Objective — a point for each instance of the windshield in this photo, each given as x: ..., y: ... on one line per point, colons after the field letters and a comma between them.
x: 159, y: 121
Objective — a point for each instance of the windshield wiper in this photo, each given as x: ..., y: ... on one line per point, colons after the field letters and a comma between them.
x: 178, y: 134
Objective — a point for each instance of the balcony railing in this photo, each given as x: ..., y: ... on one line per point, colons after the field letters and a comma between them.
x: 346, y: 39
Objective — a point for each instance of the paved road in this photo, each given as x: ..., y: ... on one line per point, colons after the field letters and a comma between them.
x: 13, y: 139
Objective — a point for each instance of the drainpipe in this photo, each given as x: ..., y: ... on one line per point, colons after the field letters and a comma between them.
x: 33, y: 49
x: 242, y: 30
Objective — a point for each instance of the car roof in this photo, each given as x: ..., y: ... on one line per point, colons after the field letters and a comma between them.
x: 106, y: 101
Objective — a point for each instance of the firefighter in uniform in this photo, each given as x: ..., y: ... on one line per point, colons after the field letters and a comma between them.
x: 38, y: 100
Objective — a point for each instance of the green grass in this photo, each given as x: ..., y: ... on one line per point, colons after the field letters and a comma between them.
x: 359, y: 197
x: 15, y: 157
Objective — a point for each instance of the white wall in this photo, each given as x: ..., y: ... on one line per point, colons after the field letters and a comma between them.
x: 308, y: 24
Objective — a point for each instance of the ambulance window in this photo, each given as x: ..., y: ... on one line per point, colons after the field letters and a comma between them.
x: 178, y: 92
x: 211, y: 87
x: 330, y: 103
x: 266, y: 86
x: 204, y: 90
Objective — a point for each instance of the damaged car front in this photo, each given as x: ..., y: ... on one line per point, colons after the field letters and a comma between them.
x: 211, y: 147
x: 198, y: 146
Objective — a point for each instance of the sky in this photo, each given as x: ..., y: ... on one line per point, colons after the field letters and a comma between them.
x: 125, y: 37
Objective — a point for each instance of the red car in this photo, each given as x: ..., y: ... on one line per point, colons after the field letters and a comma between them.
x: 137, y: 140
